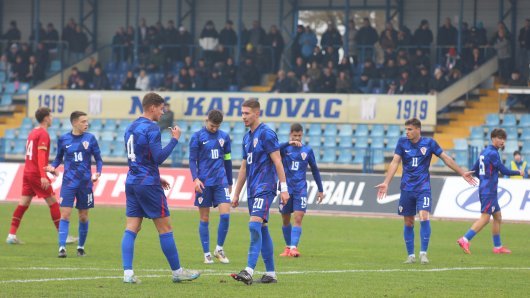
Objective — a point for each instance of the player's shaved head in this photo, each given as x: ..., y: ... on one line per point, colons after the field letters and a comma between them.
x: 42, y: 113
x: 152, y: 99
x: 75, y: 115
x: 414, y: 122
x: 498, y: 133
x: 215, y: 116
x: 296, y: 127
x: 252, y: 103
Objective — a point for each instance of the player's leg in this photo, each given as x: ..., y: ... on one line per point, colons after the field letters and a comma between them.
x: 286, y: 211
x: 135, y: 215
x: 204, y: 233
x: 498, y: 248
x: 49, y: 197
x: 267, y: 247
x: 22, y: 207
x: 407, y: 209
x: 299, y: 207
x: 64, y: 226
x: 486, y: 211
x: 85, y: 201
x: 423, y: 204
x: 222, y: 231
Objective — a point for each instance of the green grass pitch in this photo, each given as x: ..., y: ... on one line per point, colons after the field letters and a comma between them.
x: 341, y: 257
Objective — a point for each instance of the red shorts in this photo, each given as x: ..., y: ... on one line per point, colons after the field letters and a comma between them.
x: 31, y: 186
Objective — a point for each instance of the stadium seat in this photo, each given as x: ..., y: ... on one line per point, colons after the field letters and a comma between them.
x: 330, y: 141
x: 525, y: 135
x: 378, y: 130
x: 225, y: 126
x: 391, y: 142
x: 183, y: 125
x: 23, y: 88
x: 314, y: 141
x: 6, y: 100
x: 359, y: 156
x: 314, y: 129
x: 237, y: 139
x: 524, y: 121
x: 95, y: 125
x: 237, y: 152
x: 196, y: 126
x: 283, y: 137
x: 526, y: 147
x: 10, y: 88
x: 110, y: 124
x: 460, y: 144
x: 22, y: 133
x: 107, y: 135
x: 55, y: 66
x: 511, y: 132
x: 239, y: 128
x: 330, y: 130
x: 361, y: 130
x: 2, y: 76
x: 105, y: 147
x: 271, y: 125
x: 345, y: 130
x: 510, y: 146
x: 166, y: 138
x: 9, y: 134
x: 27, y: 123
x: 377, y: 142
x: 479, y: 143
x: 477, y: 132
x: 378, y: 156
x: 509, y: 120
x: 393, y: 131
x: 492, y: 121
x: 329, y: 155
x: 19, y: 147
x: 284, y: 128
x: 344, y: 157
x: 361, y: 142
x: 345, y: 142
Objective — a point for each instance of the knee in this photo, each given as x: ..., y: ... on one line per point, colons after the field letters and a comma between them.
x: 205, y: 218
x: 83, y: 218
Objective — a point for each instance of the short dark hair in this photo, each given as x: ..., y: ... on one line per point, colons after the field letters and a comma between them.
x: 414, y: 122
x: 252, y: 103
x: 75, y: 115
x: 42, y: 113
x: 296, y: 127
x: 215, y: 116
x: 152, y: 99
x: 498, y: 133
x: 516, y: 152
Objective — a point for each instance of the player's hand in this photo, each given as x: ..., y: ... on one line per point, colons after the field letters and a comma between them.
x: 235, y: 201
x: 295, y: 143
x: 44, y: 183
x: 51, y: 170
x: 199, y: 186
x: 175, y: 132
x: 95, y: 177
x: 284, y: 196
x: 320, y: 197
x: 468, y: 176
x: 165, y: 184
x: 229, y: 189
x: 383, y: 188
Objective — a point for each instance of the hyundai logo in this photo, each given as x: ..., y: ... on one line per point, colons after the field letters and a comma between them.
x: 469, y: 200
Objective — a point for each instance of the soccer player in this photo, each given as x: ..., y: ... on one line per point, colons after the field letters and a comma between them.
x: 415, y: 153
x: 488, y: 166
x: 296, y: 158
x: 144, y: 188
x: 211, y: 170
x: 76, y: 148
x: 35, y: 182
x: 260, y: 168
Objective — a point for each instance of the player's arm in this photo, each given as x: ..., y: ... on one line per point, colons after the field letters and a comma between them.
x: 504, y: 170
x: 42, y: 157
x: 316, y: 175
x: 277, y: 160
x: 392, y: 168
x: 96, y: 152
x: 241, y: 177
x: 58, y: 158
x: 155, y: 143
x: 468, y: 176
x: 194, y: 157
x: 228, y: 162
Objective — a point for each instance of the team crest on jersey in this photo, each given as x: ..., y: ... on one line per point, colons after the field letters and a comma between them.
x: 200, y: 200
x: 304, y: 155
x: 85, y: 144
x: 423, y: 150
x: 221, y: 142
x: 255, y: 142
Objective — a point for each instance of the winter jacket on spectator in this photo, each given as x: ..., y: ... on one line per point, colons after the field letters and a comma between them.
x: 308, y: 41
x: 248, y: 74
x: 423, y: 35
x: 209, y: 37
x: 142, y: 82
x: 366, y: 36
x: 328, y: 82
x: 215, y: 82
x: 101, y: 81
x: 228, y: 36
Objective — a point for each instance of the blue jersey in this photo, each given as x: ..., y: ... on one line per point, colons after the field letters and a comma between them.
x: 416, y: 160
x: 210, y: 158
x: 77, y: 152
x: 261, y: 172
x: 145, y: 152
x: 295, y: 161
x: 487, y: 170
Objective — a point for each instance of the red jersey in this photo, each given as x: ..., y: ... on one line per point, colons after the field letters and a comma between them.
x: 38, y: 139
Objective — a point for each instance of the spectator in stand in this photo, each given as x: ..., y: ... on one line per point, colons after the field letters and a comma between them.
x: 404, y: 37
x: 317, y: 56
x: 438, y: 83
x: 422, y: 81
x: 52, y: 36
x: 196, y: 82
x: 215, y: 82
x: 5, y: 66
x: 248, y: 74
x: 419, y: 60
x: 167, y: 119
x: 452, y: 61
x: 423, y: 36
x: 306, y: 84
x: 19, y: 69
x: 128, y: 43
x: 516, y: 80
x: 92, y: 65
x: 296, y: 48
x: 129, y: 83
x: 220, y: 55
x: 12, y: 35
x: 454, y: 75
x: 282, y: 84
x: 42, y: 33
x: 296, y: 85
x: 343, y: 83
x: 257, y: 35
x: 68, y: 33
x: 156, y: 61
x: 518, y: 164
x: 13, y: 53
x: 447, y: 36
x: 308, y: 43
x: 475, y: 61
x: 476, y: 39
x: 188, y: 62
x: 184, y: 42
x: 404, y: 65
x: 118, y: 44
x: 314, y: 72
x: 182, y: 81
x: 100, y: 80
x: 345, y: 66
x: 25, y: 52
x: 73, y: 78
x: 79, y: 44
x: 230, y: 72
x: 330, y: 57
x: 524, y: 48
x: 332, y: 38
x: 170, y: 41
x: 142, y: 81
x: 275, y: 41
x: 328, y: 82
x: 405, y: 86
x: 300, y: 67
x: 388, y: 38
x: 228, y: 36
x: 501, y: 43
x: 392, y: 88
x: 350, y: 41
x: 366, y: 38
x: 209, y: 39
x: 81, y: 85
x: 42, y: 55
x: 390, y: 71
x: 35, y: 71
x: 202, y: 69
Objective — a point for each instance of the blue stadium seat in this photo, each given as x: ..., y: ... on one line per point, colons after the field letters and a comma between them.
x: 361, y: 142
x: 196, y: 126
x: 283, y: 137
x: 314, y: 129
x: 509, y: 120
x: 314, y: 141
x: 27, y: 123
x: 19, y: 147
x: 526, y: 147
x: 6, y: 100
x: 22, y: 133
x: 166, y: 138
x: 391, y: 143
x: 9, y: 134
x: 525, y: 135
x: 55, y: 66
x: 511, y: 132
x: 460, y: 144
x: 330, y: 141
x: 378, y: 142
x: 510, y: 146
x: 378, y: 156
x: 107, y: 135
x: 345, y: 130
x: 239, y: 128
x: 477, y: 132
x: 359, y: 156
x: 110, y: 67
x: 345, y: 142
x: 96, y: 124
x: 361, y: 130
x: 271, y: 125
x: 461, y: 157
x: 393, y: 131
x: 524, y: 121
x: 378, y: 130
x: 344, y: 157
x: 284, y: 128
x: 225, y: 126
x: 110, y: 124
x: 23, y: 88
x: 330, y: 130
x: 183, y: 125
x: 10, y: 88
x: 237, y: 152
x: 492, y: 120
x: 329, y: 155
x: 479, y: 143
x: 2, y: 76
x: 105, y: 147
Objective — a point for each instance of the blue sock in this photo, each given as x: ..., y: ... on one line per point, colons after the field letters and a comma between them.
x: 470, y: 234
x: 63, y: 231
x: 222, y: 230
x: 267, y: 249
x: 408, y: 234
x: 255, y: 243
x: 425, y: 234
x: 287, y: 234
x: 497, y: 240
x: 170, y: 250
x: 295, y: 235
x: 204, y: 234
x: 83, y: 232
x: 127, y: 249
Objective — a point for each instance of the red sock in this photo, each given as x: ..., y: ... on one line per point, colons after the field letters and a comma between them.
x: 56, y: 214
x: 17, y: 217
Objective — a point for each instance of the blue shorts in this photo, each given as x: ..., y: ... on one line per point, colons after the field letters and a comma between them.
x: 410, y: 202
x: 146, y: 201
x: 489, y: 204
x: 83, y: 196
x: 260, y: 206
x: 212, y: 196
x: 297, y: 202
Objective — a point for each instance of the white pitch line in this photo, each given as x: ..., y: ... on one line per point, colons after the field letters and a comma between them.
x: 219, y: 273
